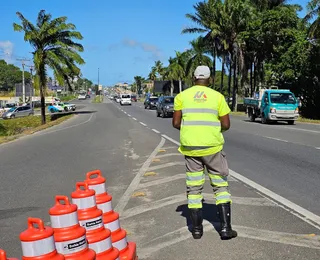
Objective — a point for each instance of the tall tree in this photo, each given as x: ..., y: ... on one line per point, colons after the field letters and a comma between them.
x: 54, y: 47
x: 138, y: 81
x: 314, y: 11
x: 205, y: 16
x: 177, y: 67
x: 197, y: 55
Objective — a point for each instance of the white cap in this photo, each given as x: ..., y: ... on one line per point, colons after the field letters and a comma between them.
x: 202, y: 72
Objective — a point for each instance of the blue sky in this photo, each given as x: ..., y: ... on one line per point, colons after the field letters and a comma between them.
x: 122, y: 38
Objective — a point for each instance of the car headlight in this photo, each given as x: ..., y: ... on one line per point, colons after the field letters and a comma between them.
x: 273, y: 110
x: 167, y: 107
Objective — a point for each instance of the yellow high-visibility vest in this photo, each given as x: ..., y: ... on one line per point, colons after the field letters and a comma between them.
x: 200, y: 126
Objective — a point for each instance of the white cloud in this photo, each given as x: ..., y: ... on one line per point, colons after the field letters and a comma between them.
x: 153, y: 49
x: 6, y: 50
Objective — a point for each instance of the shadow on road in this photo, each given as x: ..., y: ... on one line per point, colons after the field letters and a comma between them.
x: 210, y: 213
x: 269, y: 123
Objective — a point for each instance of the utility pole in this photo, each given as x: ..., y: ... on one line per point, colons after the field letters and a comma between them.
x: 23, y: 81
x: 31, y: 86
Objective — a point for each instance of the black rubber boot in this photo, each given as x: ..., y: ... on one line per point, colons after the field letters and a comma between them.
x: 225, y: 220
x: 196, y: 219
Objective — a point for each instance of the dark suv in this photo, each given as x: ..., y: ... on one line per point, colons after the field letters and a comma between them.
x: 150, y: 102
x: 165, y: 106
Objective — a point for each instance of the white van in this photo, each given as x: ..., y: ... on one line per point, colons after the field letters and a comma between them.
x: 125, y: 99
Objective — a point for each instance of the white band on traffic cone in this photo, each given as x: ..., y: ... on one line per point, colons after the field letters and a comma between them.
x: 101, y: 246
x: 85, y: 203
x: 66, y: 220
x: 38, y: 248
x: 92, y: 224
x: 72, y: 246
x: 113, y: 226
x: 121, y: 244
x: 98, y: 188
x: 105, y: 207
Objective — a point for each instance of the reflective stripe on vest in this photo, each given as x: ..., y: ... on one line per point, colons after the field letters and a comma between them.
x: 200, y: 126
x: 38, y: 248
x: 201, y: 123
x: 199, y: 110
x: 66, y: 220
x: 85, y: 203
x: 101, y: 246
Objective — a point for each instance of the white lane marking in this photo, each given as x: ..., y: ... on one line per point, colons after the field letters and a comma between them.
x: 152, y: 246
x: 318, y: 148
x: 158, y: 204
x: 129, y: 115
x: 125, y: 112
x: 300, y: 129
x: 142, y: 123
x: 134, y: 118
x: 156, y: 131
x: 303, y: 213
x: 136, y: 180
x: 65, y: 128
x: 276, y: 139
x: 171, y: 140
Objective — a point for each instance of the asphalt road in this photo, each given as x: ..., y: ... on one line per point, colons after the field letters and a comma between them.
x: 36, y: 168
x: 121, y: 143
x: 282, y: 158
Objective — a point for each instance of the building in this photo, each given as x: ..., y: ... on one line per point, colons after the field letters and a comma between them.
x: 164, y: 87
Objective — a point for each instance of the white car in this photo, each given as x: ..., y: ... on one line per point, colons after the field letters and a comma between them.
x: 82, y: 96
x: 118, y: 99
x: 125, y: 99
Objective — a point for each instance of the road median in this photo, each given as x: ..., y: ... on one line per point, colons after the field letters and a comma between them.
x: 18, y: 127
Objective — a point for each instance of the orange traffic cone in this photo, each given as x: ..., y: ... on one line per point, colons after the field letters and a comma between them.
x: 111, y: 218
x: 3, y: 256
x: 70, y: 238
x: 90, y: 217
x: 38, y: 243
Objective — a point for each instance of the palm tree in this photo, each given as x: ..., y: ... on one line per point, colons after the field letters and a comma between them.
x: 198, y: 56
x: 159, y: 69
x: 177, y: 67
x: 138, y: 80
x: 206, y: 14
x: 314, y: 10
x: 54, y: 47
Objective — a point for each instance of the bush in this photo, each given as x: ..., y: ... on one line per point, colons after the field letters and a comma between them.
x: 67, y: 98
x: 17, y: 126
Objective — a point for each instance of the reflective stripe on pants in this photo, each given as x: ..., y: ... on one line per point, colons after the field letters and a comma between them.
x: 195, y: 179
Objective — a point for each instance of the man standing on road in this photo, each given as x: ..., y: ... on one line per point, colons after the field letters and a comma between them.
x: 202, y: 114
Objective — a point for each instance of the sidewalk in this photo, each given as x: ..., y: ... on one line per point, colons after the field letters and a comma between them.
x: 156, y: 218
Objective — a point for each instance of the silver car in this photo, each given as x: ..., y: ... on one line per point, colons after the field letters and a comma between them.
x: 18, y: 112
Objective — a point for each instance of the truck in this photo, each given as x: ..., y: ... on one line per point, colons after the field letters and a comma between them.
x: 272, y: 105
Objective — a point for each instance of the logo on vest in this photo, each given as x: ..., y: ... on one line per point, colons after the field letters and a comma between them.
x: 200, y: 97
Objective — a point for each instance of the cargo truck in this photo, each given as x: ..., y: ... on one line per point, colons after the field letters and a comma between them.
x: 272, y: 105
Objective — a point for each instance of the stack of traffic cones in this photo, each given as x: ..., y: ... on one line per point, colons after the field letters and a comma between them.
x: 3, y: 256
x: 70, y: 238
x: 37, y: 242
x: 90, y: 217
x: 111, y: 221
x: 87, y: 229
